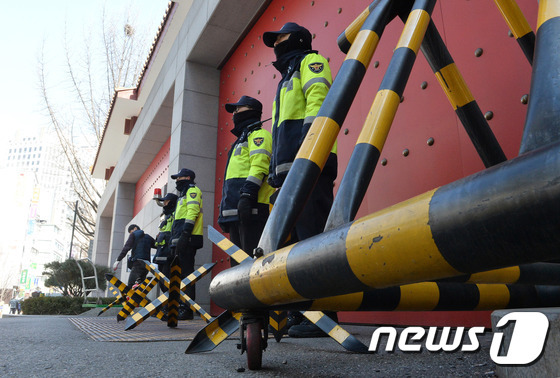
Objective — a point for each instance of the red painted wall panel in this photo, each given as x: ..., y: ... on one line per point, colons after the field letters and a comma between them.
x: 498, y: 79
x: 155, y: 176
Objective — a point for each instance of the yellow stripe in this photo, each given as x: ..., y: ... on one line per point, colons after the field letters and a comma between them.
x: 239, y: 256
x: 547, y: 9
x: 395, y: 246
x: 454, y: 86
x: 505, y: 276
x: 514, y: 17
x: 380, y: 117
x: 319, y: 140
x: 352, y: 30
x: 347, y: 302
x: 363, y: 47
x: 215, y: 333
x: 273, y: 279
x: 414, y: 30
x: 493, y: 297
x: 339, y: 334
x: 418, y: 297
x: 225, y: 244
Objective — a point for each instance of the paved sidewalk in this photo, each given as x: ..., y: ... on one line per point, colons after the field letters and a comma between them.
x: 52, y: 346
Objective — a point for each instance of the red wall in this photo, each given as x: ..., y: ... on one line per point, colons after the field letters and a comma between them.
x: 155, y: 176
x: 498, y: 79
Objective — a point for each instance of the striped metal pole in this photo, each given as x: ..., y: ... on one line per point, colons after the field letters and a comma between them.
x: 519, y: 26
x: 323, y: 132
x: 138, y: 298
x: 461, y: 98
x: 504, y: 216
x: 432, y: 296
x: 348, y: 36
x: 371, y: 140
x: 527, y: 274
x: 174, y: 293
x: 542, y: 125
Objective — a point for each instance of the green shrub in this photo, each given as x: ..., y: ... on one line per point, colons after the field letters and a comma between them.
x: 57, y: 305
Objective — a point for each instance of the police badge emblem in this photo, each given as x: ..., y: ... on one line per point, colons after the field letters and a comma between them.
x: 316, y: 67
x: 258, y: 141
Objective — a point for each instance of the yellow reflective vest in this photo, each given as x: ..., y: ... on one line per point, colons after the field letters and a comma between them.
x: 299, y: 96
x: 248, y: 160
x: 189, y: 210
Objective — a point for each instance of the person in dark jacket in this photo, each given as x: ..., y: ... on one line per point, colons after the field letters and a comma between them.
x: 140, y: 244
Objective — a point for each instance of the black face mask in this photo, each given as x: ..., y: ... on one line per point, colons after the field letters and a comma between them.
x: 169, y: 208
x: 244, y: 119
x: 181, y: 185
x: 294, y: 42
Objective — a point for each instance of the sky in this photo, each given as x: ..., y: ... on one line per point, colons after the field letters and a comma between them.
x: 26, y: 25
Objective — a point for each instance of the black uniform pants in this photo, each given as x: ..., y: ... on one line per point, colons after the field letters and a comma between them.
x: 246, y: 236
x: 137, y: 273
x: 186, y: 261
x: 313, y: 218
x: 166, y: 270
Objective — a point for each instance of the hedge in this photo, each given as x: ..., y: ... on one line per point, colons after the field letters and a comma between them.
x: 56, y: 305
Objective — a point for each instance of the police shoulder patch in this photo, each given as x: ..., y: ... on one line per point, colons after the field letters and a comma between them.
x: 316, y: 67
x: 193, y: 195
x: 258, y: 141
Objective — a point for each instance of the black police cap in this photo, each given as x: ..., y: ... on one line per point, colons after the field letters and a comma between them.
x: 184, y: 173
x: 251, y: 102
x: 289, y: 27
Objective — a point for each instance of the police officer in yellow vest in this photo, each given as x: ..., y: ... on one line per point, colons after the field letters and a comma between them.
x: 186, y: 231
x: 245, y: 194
x: 306, y: 80
x: 163, y: 238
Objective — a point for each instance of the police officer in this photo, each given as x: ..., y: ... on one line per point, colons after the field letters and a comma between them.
x: 306, y: 80
x: 141, y: 244
x: 245, y: 194
x: 186, y: 230
x: 163, y: 238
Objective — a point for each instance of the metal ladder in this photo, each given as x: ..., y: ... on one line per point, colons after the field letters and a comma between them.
x: 94, y: 277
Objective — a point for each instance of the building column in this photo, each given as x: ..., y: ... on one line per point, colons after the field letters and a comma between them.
x: 122, y: 216
x: 193, y: 144
x: 102, y: 241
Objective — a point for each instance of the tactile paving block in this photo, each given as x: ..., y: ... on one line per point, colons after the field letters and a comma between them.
x: 108, y: 329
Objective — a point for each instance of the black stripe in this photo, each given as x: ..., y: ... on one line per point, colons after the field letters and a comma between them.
x: 434, y: 49
x: 457, y: 296
x: 291, y: 200
x: 332, y: 278
x: 504, y: 216
x: 481, y: 134
x: 527, y: 44
x: 521, y: 296
x: 542, y: 125
x: 354, y: 184
x: 549, y: 296
x: 343, y: 43
x: 539, y: 274
x: 426, y: 5
x: 236, y: 296
x: 398, y: 72
x: 386, y: 299
x: 343, y: 90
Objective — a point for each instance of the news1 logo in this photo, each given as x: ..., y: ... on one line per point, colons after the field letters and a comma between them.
x: 526, y: 345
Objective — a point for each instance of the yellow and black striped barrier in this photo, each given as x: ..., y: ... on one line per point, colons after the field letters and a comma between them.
x: 542, y: 125
x: 528, y: 274
x: 138, y: 298
x: 324, y: 129
x: 519, y: 26
x: 191, y: 279
x: 376, y: 127
x: 120, y: 299
x: 174, y: 293
x: 500, y: 217
x: 215, y: 332
x: 145, y: 312
x: 439, y: 296
x: 461, y: 98
x: 327, y: 325
x: 278, y: 321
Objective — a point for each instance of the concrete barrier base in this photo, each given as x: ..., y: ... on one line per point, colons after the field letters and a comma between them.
x: 548, y: 365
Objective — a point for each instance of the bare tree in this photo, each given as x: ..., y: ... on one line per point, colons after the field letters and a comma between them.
x: 92, y: 73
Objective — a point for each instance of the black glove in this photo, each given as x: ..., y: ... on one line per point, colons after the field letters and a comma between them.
x: 183, y: 241
x: 245, y: 208
x: 224, y: 226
